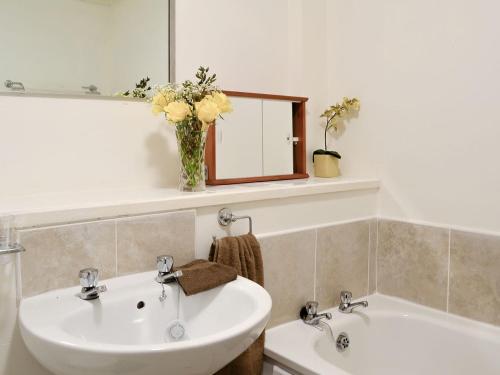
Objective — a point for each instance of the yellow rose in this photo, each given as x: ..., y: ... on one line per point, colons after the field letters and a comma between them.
x: 177, y: 111
x: 222, y: 102
x: 207, y: 110
x: 161, y: 100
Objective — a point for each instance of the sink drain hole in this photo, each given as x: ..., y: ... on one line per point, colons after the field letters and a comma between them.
x: 140, y: 304
x: 343, y: 342
x: 176, y: 331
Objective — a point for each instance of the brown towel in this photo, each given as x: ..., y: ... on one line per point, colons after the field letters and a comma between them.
x: 242, y: 253
x: 200, y: 275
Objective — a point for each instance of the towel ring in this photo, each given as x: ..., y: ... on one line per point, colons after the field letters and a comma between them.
x: 12, y: 249
x: 226, y: 217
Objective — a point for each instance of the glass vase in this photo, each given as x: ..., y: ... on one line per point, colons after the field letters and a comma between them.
x: 191, y: 141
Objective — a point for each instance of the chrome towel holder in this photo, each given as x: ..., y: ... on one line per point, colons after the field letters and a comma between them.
x: 12, y: 249
x: 225, y: 217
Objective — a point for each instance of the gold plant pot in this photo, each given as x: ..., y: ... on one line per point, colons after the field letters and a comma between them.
x: 326, y: 166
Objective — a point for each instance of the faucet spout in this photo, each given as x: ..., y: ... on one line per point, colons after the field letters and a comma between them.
x: 92, y: 293
x: 164, y: 278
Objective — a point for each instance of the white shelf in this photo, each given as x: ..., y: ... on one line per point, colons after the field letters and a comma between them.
x: 43, y: 209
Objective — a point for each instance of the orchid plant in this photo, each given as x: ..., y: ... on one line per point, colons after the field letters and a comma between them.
x: 333, y: 115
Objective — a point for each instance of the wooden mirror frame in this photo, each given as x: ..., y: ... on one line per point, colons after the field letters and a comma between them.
x: 299, y: 148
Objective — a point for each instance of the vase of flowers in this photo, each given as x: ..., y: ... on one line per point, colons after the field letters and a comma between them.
x: 192, y: 107
x: 326, y: 162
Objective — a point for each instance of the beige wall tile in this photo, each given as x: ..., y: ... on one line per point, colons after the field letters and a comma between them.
x: 475, y: 276
x: 141, y: 239
x: 372, y: 264
x: 341, y: 262
x: 412, y: 262
x: 54, y: 255
x: 289, y: 273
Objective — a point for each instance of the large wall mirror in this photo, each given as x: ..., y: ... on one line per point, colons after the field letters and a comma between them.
x: 92, y: 48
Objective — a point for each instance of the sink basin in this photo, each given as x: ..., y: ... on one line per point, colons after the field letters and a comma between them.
x: 129, y: 331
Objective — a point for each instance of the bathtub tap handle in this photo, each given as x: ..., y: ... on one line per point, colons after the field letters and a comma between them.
x: 312, y: 307
x: 309, y: 313
x: 346, y: 306
x: 345, y: 297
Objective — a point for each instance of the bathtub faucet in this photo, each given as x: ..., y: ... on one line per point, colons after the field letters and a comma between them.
x: 309, y: 314
x: 346, y: 306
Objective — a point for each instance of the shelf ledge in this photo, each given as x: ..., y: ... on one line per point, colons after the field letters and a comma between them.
x: 45, y: 209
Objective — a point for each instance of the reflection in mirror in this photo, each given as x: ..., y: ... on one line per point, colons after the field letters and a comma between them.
x: 82, y: 47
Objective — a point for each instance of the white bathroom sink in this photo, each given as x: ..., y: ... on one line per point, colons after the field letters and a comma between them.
x: 115, y: 335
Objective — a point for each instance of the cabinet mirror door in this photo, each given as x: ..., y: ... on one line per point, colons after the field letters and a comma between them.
x: 263, y: 139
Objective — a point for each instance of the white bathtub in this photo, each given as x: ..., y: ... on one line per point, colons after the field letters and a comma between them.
x: 390, y: 337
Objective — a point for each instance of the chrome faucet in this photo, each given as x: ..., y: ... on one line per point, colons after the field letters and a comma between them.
x: 346, y: 306
x: 165, y: 264
x: 91, y: 89
x: 309, y: 314
x: 89, y: 278
x: 14, y: 86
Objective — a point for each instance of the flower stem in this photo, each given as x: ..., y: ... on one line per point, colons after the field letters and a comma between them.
x: 328, y: 127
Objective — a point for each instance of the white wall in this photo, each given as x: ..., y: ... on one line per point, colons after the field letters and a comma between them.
x: 57, y: 145
x: 75, y: 144
x: 275, y: 47
x: 425, y: 71
x: 51, y: 144
x: 427, y: 76
x: 285, y: 215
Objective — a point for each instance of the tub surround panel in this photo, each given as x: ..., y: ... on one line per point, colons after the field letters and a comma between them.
x: 141, y: 239
x: 372, y: 261
x: 406, y: 260
x: 342, y: 262
x: 475, y: 276
x: 413, y: 262
x: 54, y: 255
x: 452, y: 270
x: 289, y: 273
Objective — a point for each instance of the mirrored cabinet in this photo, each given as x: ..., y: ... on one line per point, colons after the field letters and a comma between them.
x: 263, y: 139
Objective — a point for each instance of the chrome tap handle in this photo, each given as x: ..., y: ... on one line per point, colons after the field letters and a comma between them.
x: 312, y: 308
x: 16, y: 86
x: 165, y: 263
x: 345, y: 297
x: 309, y: 314
x: 89, y: 277
x: 91, y: 88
